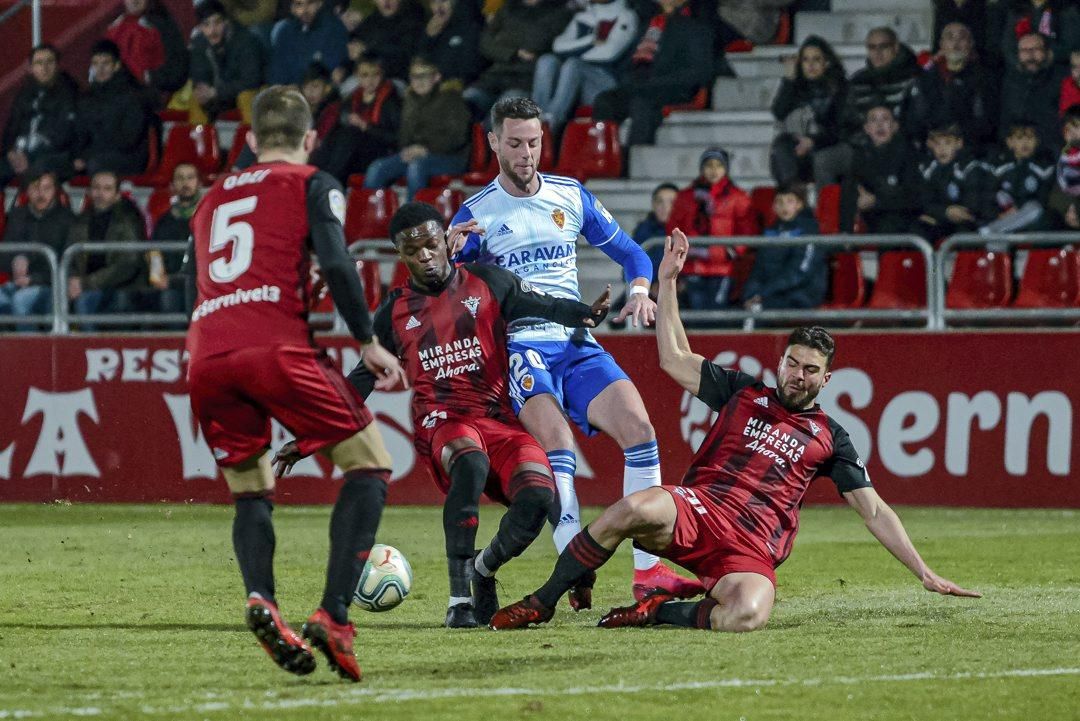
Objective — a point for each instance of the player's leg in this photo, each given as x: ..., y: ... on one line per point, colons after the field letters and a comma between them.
x: 648, y: 517
x: 466, y: 465
x: 738, y: 602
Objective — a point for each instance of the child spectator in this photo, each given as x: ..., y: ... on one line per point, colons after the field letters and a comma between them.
x: 368, y: 130
x: 712, y: 206
x: 957, y: 188
x: 1023, y: 178
x: 435, y: 132
x: 1064, y: 200
x: 1070, y: 84
x: 655, y: 223
x: 323, y: 98
x: 884, y: 181
x: 788, y: 276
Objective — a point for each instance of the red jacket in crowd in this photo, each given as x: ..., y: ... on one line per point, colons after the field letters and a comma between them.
x: 721, y: 210
x: 140, y: 45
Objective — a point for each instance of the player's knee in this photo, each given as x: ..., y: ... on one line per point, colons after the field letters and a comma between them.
x: 744, y: 616
x: 637, y: 513
x: 534, y: 504
x: 635, y: 429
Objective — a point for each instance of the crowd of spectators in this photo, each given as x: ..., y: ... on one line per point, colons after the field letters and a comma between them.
x: 980, y: 133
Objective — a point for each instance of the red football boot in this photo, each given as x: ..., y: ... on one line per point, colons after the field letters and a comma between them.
x: 642, y: 613
x: 521, y: 614
x: 278, y: 640
x: 661, y: 578
x: 335, y: 640
x: 580, y: 596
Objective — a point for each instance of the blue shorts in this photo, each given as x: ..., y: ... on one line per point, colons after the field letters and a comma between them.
x: 574, y: 371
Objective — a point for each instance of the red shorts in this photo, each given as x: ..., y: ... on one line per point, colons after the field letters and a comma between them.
x: 706, y: 543
x: 505, y: 442
x: 234, y: 396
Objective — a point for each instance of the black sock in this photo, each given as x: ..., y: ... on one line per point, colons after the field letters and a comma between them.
x: 353, y: 524
x: 468, y: 476
x: 254, y: 541
x: 692, y: 614
x: 581, y: 555
x: 533, y: 496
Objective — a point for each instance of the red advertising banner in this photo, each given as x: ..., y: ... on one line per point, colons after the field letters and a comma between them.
x: 974, y: 419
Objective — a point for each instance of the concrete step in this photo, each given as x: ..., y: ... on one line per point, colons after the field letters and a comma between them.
x: 744, y: 93
x: 717, y: 128
x: 767, y: 62
x: 862, y: 6
x: 679, y: 163
x: 913, y: 27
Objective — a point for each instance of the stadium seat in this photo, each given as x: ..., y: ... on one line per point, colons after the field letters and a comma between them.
x: 590, y: 149
x: 847, y: 287
x: 237, y: 147
x: 401, y: 276
x: 980, y: 279
x: 185, y: 143
x: 373, y: 290
x: 447, y: 200
x: 159, y: 203
x: 901, y: 280
x: 1051, y: 279
x: 700, y: 101
x: 481, y: 160
x: 367, y: 214
x: 828, y: 209
x: 761, y: 198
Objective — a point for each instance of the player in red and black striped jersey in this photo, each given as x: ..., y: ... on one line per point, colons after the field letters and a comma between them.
x: 448, y: 327
x: 735, y: 516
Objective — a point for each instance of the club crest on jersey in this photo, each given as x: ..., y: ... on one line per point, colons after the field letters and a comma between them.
x: 559, y: 217
x: 763, y: 402
x: 815, y: 428
x: 472, y: 303
x: 527, y: 382
x: 432, y: 418
x: 413, y: 323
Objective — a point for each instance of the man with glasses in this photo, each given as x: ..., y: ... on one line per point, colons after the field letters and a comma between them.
x: 889, y: 75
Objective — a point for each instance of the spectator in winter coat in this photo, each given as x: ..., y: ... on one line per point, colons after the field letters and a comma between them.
x: 173, y: 73
x: 520, y: 32
x: 884, y: 180
x: 391, y: 32
x: 312, y: 33
x: 955, y: 88
x: 1056, y: 20
x: 323, y: 98
x: 226, y: 59
x: 958, y: 189
x: 671, y: 62
x: 788, y: 276
x: 1070, y: 84
x: 41, y: 131
x: 1064, y: 201
x: 141, y: 48
x: 451, y: 38
x: 165, y: 276
x: 368, y: 130
x: 655, y: 223
x: 712, y: 206
x: 888, y: 77
x: 436, y: 129
x: 972, y: 15
x: 44, y: 219
x: 584, y: 59
x: 1031, y: 90
x: 809, y: 107
x: 113, y: 117
x: 1023, y: 176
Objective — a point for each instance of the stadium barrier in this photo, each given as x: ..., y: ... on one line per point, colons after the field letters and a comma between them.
x: 967, y: 418
x: 59, y: 295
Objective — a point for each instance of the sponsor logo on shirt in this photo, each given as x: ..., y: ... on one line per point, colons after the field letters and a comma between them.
x: 504, y: 230
x: 337, y: 204
x: 763, y: 402
x: 432, y: 418
x: 472, y: 303
x: 559, y: 217
x: 602, y: 211
x: 776, y: 442
x: 815, y: 428
x: 413, y: 323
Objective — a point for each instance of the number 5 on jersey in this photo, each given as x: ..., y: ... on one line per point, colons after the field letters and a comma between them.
x: 224, y: 228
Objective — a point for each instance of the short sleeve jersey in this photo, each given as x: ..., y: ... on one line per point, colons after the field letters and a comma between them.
x: 759, y: 458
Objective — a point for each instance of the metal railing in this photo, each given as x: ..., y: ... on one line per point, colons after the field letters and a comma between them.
x: 996, y: 242
x: 59, y: 295
x: 35, y: 18
x: 930, y: 316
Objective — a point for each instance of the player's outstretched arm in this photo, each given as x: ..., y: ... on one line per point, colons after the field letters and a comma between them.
x: 676, y: 358
x: 887, y: 528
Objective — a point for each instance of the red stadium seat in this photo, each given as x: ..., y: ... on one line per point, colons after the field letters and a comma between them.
x: 159, y: 203
x: 828, y: 209
x: 901, y: 280
x: 197, y: 144
x: 237, y: 147
x: 847, y: 287
x: 482, y: 163
x: 980, y: 279
x: 373, y: 290
x: 1051, y: 279
x: 547, y: 149
x: 401, y: 276
x: 700, y: 101
x: 761, y: 198
x: 590, y: 149
x: 447, y: 200
x: 367, y: 215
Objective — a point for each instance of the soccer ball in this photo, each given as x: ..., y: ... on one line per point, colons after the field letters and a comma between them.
x: 386, y: 580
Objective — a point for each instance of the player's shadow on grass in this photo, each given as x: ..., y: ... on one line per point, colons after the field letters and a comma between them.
x: 229, y: 627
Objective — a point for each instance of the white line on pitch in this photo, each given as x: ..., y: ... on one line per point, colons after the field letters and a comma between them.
x: 354, y: 696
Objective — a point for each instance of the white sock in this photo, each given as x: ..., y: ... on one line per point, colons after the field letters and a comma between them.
x: 564, y: 465
x: 642, y: 470
x: 458, y: 600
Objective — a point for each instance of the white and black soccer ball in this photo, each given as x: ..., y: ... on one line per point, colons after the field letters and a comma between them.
x: 385, y: 581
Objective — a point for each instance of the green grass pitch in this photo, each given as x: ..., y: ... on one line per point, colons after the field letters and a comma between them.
x: 135, y: 612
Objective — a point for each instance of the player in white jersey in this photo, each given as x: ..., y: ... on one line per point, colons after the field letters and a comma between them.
x: 529, y: 223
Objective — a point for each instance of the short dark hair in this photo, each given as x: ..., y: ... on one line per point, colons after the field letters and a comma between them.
x: 411, y: 215
x: 206, y: 9
x: 370, y: 58
x: 793, y: 188
x: 115, y: 176
x: 106, y: 47
x: 1071, y: 115
x: 1023, y: 124
x: 35, y: 174
x: 663, y: 186
x: 316, y: 71
x: 181, y: 164
x: 886, y: 31
x: 514, y: 109
x: 43, y: 47
x: 279, y: 118
x: 817, y: 338
x: 951, y: 130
